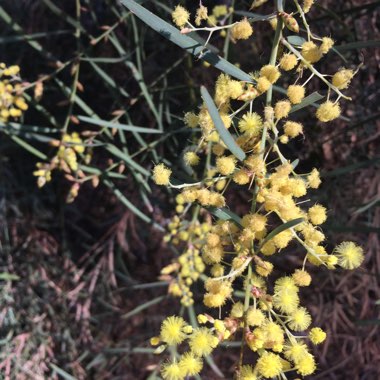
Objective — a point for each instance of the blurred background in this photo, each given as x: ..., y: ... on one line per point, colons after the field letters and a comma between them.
x: 81, y: 255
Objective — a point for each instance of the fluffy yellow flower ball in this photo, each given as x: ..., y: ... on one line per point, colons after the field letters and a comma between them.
x: 180, y: 16
x: 263, y: 84
x: 172, y: 330
x: 161, y: 175
x: 288, y: 61
x: 317, y: 214
x: 226, y: 165
x: 269, y: 365
x: 317, y: 335
x: 350, y: 255
x: 301, y: 277
x: 172, y: 371
x: 270, y: 72
x: 328, y: 111
x: 251, y: 124
x: 311, y: 52
x: 191, y: 158
x: 242, y: 30
x: 342, y: 78
x: 292, y: 129
x: 202, y: 341
x: 296, y: 93
x: 190, y: 364
x: 282, y: 109
x: 326, y: 45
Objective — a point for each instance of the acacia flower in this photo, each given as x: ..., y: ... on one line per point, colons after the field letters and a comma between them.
x: 161, y: 175
x: 172, y: 330
x: 317, y: 335
x: 180, y: 16
x: 350, y: 255
x: 269, y: 365
x: 242, y: 30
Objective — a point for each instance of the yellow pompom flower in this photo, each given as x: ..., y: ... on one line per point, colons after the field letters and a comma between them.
x: 219, y: 11
x: 226, y: 165
x: 350, y: 255
x: 311, y: 52
x: 263, y: 84
x: 172, y: 371
x: 282, y: 109
x: 172, y: 330
x: 269, y: 365
x: 255, y: 317
x: 314, y: 179
x: 317, y: 214
x: 270, y: 72
x: 241, y: 177
x: 202, y: 342
x: 264, y: 268
x: 307, y: 4
x: 247, y: 373
x: 191, y: 158
x: 293, y: 129
x: 328, y: 111
x: 300, y: 319
x: 202, y: 14
x: 286, y: 301
x: 242, y: 30
x: 251, y: 124
x: 306, y: 366
x: 342, y: 78
x: 295, y: 351
x: 161, y: 175
x: 217, y: 270
x: 191, y: 119
x: 237, y: 310
x: 180, y: 16
x: 326, y: 45
x: 190, y: 364
x: 288, y: 61
x: 296, y: 93
x: 301, y: 277
x: 317, y: 335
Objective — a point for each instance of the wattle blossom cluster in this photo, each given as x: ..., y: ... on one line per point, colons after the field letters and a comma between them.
x: 245, y: 298
x: 12, y: 101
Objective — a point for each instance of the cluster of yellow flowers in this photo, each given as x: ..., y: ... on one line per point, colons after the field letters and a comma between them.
x: 65, y: 159
x: 187, y: 237
x: 238, y: 250
x: 12, y: 101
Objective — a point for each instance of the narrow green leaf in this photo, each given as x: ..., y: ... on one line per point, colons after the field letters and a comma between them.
x: 5, y: 276
x: 34, y: 36
x: 110, y: 124
x: 107, y: 79
x: 368, y: 206
x: 225, y: 214
x: 358, y: 45
x: 125, y: 157
x: 184, y: 41
x: 143, y: 306
x: 31, y: 149
x: 283, y: 227
x: 61, y: 372
x: 222, y: 130
x: 296, y: 40
x: 308, y: 101
x: 104, y: 173
x: 351, y: 168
